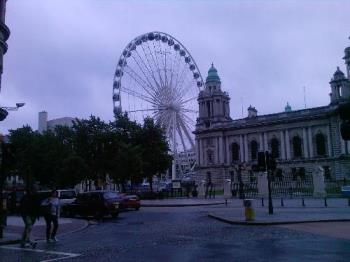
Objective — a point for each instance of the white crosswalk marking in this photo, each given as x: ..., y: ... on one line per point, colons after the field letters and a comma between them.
x: 64, y: 255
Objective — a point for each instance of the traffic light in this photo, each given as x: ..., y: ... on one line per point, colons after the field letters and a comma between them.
x: 3, y: 114
x: 344, y: 113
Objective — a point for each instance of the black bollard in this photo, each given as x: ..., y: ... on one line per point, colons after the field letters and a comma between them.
x: 325, y: 202
x: 282, y: 203
x: 262, y: 201
x: 225, y: 202
x: 302, y: 202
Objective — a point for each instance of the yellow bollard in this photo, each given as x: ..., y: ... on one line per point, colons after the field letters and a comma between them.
x: 249, y: 210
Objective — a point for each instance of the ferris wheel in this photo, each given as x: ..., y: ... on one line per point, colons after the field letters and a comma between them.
x: 157, y: 77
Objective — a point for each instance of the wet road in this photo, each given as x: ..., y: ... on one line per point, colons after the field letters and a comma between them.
x: 183, y: 234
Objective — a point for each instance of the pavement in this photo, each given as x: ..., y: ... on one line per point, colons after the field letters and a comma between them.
x: 286, y: 211
x: 292, y: 212
x: 13, y: 230
x: 183, y: 202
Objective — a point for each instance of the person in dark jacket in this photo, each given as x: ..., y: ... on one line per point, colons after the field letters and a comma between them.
x: 30, y: 211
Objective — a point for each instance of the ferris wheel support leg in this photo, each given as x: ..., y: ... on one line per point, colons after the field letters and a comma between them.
x: 173, y: 173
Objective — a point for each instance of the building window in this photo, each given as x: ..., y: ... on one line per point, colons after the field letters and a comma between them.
x: 327, y: 173
x: 210, y: 157
x: 275, y: 148
x: 208, y: 108
x: 297, y: 151
x: 235, y: 152
x: 320, y: 145
x: 254, y: 149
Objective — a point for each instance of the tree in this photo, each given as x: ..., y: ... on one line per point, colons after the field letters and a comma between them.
x: 73, y: 170
x: 155, y: 150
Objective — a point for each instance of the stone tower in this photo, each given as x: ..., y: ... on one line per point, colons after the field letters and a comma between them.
x: 340, y: 86
x: 214, y: 107
x: 347, y: 60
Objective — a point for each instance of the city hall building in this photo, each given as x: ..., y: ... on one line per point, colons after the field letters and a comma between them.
x: 300, y: 140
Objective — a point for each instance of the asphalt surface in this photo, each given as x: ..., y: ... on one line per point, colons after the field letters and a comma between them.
x: 183, y: 234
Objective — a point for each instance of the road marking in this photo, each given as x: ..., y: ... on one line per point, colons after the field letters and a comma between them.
x: 64, y: 254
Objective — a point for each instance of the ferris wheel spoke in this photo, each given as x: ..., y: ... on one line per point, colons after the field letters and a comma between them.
x: 188, y: 121
x: 152, y: 63
x: 181, y: 137
x: 162, y: 54
x: 176, y: 60
x: 156, y: 63
x: 150, y: 72
x: 158, y: 84
x: 140, y: 82
x: 186, y: 88
x: 186, y: 131
x: 138, y: 95
x: 189, y: 110
x: 189, y: 100
x: 141, y: 110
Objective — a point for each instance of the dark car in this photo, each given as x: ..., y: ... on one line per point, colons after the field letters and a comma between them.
x: 95, y: 203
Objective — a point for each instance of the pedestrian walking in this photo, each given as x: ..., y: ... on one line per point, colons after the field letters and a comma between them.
x: 51, y: 211
x: 30, y: 212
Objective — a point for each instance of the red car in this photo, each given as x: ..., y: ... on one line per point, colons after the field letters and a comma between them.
x: 130, y: 201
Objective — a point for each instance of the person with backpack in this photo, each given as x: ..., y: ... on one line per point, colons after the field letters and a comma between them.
x: 51, y: 210
x: 30, y: 212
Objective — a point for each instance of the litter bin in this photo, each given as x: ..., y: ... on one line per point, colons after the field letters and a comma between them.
x: 249, y: 210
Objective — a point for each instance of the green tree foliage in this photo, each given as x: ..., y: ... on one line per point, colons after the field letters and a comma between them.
x: 90, y: 150
x: 155, y: 150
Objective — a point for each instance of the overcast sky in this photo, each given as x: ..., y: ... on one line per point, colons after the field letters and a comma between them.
x: 62, y: 53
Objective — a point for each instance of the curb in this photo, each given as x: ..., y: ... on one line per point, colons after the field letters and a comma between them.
x: 10, y: 242
x: 182, y: 205
x: 272, y: 223
x: 17, y: 241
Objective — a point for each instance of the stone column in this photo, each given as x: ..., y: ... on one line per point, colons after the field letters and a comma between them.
x: 227, y: 189
x: 329, y: 143
x: 197, y: 151
x: 261, y: 142
x: 342, y: 144
x: 318, y: 181
x: 262, y: 185
x: 202, y: 152
x: 228, y: 159
x: 305, y: 144
x: 311, y: 147
x: 241, y: 149
x: 246, y: 158
x: 221, y: 151
x: 266, y: 146
x: 287, y: 144
x: 283, y: 150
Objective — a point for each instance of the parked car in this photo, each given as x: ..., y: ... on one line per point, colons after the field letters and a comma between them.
x: 66, y: 196
x: 345, y: 191
x: 130, y: 201
x: 95, y: 203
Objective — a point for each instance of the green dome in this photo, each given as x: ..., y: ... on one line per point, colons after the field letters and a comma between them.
x: 213, y: 75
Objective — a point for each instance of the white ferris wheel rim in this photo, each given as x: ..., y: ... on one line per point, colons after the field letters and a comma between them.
x: 168, y: 106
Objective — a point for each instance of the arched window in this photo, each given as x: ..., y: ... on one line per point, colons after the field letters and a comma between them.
x: 275, y: 148
x: 254, y: 149
x: 320, y: 145
x: 235, y: 152
x: 297, y: 146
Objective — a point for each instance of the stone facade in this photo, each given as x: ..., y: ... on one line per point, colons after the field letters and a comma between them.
x: 300, y: 140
